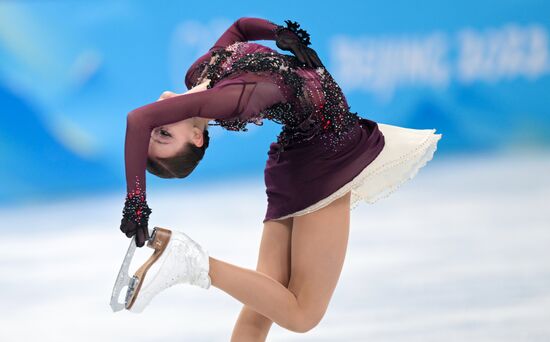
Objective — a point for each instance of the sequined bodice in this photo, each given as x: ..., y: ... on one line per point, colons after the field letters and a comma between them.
x: 315, y: 103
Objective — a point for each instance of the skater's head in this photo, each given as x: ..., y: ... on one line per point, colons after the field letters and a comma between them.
x: 176, y: 149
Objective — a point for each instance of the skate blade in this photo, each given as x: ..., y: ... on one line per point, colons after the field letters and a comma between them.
x: 159, y: 240
x: 123, y: 279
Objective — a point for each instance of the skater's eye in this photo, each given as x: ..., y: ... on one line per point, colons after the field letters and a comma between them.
x: 164, y: 133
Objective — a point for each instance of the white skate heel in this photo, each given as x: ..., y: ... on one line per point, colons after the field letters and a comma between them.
x: 177, y: 260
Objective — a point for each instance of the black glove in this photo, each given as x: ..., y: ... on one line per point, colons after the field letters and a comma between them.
x: 296, y: 40
x: 135, y: 218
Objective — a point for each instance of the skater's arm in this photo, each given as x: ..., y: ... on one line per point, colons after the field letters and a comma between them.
x: 290, y: 38
x: 242, y: 30
x: 240, y: 97
x: 246, y: 29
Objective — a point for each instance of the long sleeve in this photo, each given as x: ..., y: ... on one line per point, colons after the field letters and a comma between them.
x: 239, y: 97
x: 243, y: 29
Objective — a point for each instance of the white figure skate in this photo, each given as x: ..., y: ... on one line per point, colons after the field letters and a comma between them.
x: 176, y: 259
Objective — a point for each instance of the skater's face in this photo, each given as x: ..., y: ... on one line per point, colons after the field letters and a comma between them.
x: 168, y: 140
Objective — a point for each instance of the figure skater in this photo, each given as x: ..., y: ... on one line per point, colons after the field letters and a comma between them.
x: 325, y: 160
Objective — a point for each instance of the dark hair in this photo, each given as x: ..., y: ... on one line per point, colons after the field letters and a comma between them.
x: 183, y: 163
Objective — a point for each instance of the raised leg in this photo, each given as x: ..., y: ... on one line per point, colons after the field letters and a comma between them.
x: 273, y: 261
x: 318, y: 247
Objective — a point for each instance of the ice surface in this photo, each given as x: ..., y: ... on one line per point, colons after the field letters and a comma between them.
x: 458, y: 254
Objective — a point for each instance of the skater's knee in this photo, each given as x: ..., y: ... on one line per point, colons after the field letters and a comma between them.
x: 305, y: 321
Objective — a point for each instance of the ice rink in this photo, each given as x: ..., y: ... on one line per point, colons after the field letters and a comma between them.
x: 461, y: 253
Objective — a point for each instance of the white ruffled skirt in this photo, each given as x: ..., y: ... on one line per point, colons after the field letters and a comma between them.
x: 405, y: 151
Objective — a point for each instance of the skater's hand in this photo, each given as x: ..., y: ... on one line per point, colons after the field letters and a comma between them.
x: 135, y: 217
x: 130, y: 228
x: 296, y: 41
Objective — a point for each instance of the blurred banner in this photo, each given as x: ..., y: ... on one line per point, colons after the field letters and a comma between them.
x: 71, y: 71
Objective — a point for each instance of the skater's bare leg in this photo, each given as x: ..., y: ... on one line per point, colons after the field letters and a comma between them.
x: 318, y: 247
x: 273, y: 261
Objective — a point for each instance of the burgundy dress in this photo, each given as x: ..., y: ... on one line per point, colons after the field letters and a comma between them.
x: 321, y: 146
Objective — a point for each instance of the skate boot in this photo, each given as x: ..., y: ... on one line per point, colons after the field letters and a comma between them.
x: 177, y: 259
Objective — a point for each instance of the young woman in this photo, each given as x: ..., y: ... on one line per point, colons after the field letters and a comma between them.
x: 325, y: 160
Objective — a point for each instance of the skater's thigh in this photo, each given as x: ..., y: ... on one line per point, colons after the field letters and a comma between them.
x: 319, y: 242
x: 274, y: 253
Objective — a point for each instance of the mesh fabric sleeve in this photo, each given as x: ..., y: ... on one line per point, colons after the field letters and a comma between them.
x: 245, y: 29
x: 242, y: 30
x: 239, y: 97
